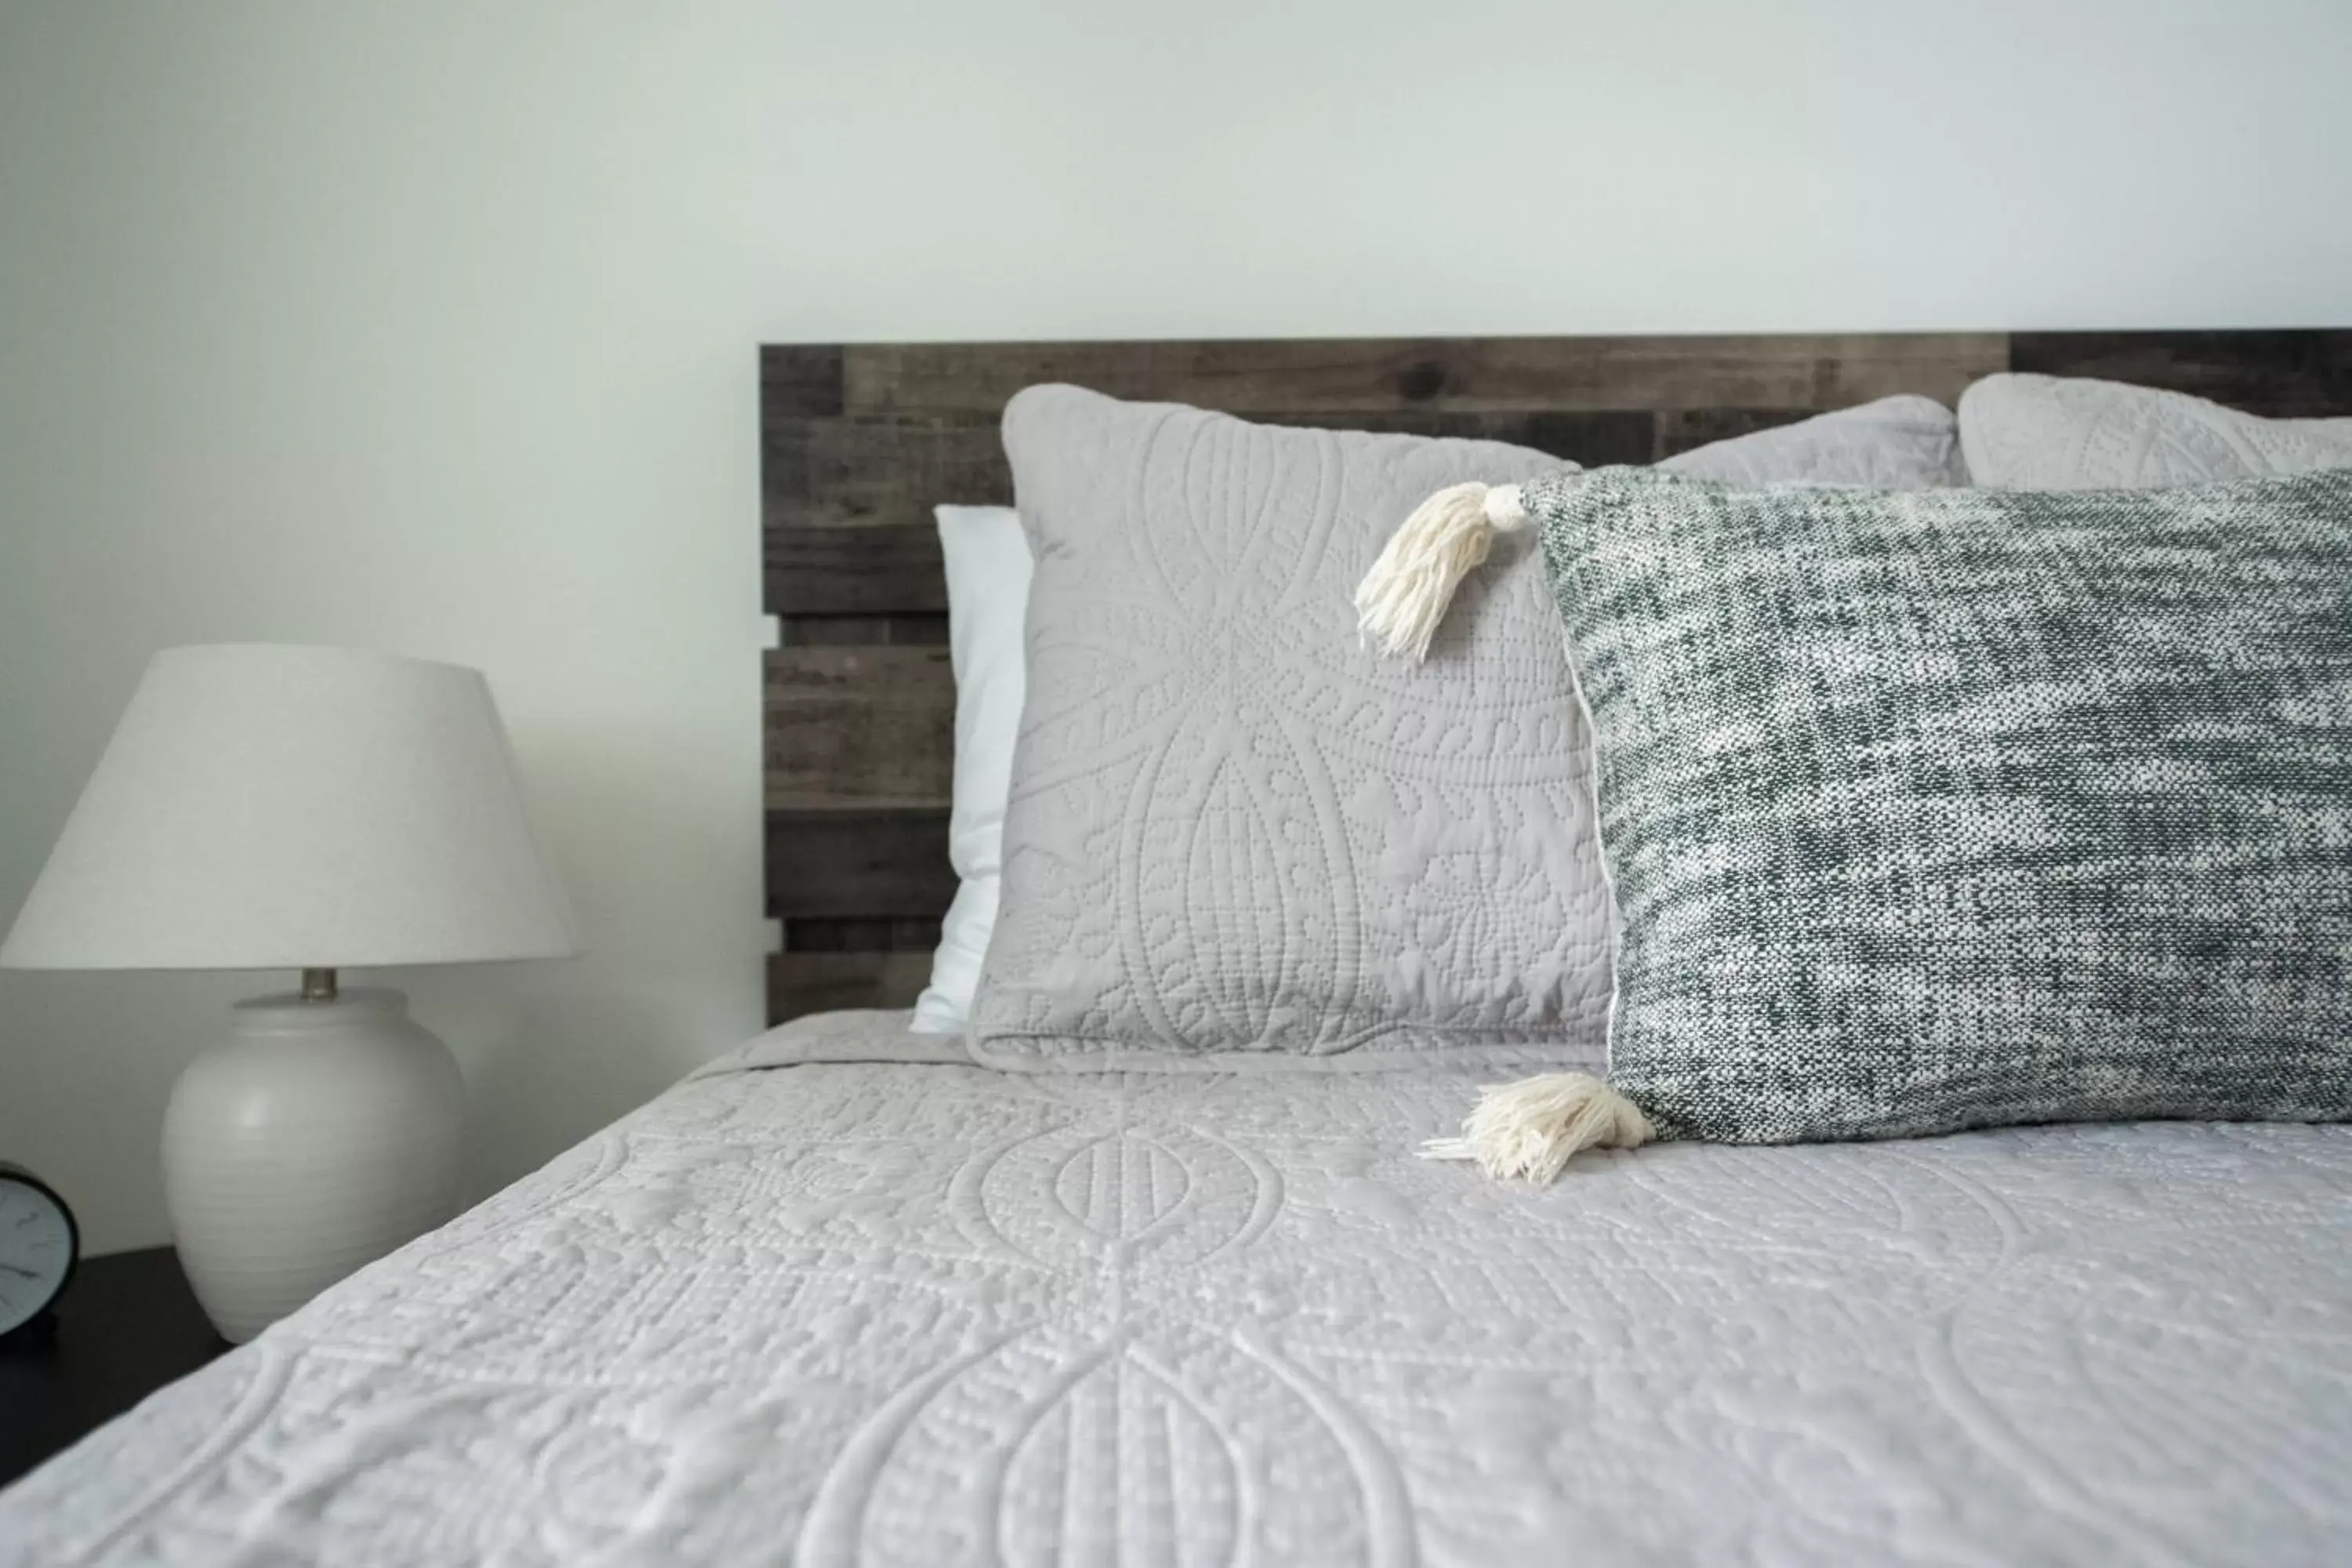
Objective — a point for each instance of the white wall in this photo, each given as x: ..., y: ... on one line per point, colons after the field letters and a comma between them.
x: 430, y: 326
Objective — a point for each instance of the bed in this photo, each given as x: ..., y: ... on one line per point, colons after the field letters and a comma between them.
x: 838, y: 1300
x: 843, y: 1298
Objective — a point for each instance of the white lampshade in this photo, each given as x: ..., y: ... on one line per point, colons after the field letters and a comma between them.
x: 276, y: 808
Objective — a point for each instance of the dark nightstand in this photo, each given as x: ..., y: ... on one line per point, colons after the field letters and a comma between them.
x: 127, y: 1325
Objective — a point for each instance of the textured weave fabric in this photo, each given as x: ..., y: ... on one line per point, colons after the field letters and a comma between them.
x: 1947, y: 809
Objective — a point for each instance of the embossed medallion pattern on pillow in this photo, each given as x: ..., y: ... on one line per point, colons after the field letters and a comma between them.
x: 2061, y: 433
x: 1234, y: 831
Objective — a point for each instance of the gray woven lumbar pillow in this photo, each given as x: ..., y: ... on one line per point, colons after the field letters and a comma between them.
x: 1948, y: 809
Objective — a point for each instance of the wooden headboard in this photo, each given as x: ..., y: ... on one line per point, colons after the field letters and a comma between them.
x: 859, y: 442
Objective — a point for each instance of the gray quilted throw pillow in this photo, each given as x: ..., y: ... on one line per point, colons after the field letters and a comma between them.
x: 2065, y: 433
x: 1939, y: 810
x: 1901, y: 442
x: 1235, y: 833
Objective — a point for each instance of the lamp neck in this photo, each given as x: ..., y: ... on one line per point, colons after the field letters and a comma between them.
x: 318, y: 985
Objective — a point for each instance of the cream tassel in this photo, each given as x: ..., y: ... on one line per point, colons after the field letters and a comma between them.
x: 1529, y: 1129
x: 1403, y: 597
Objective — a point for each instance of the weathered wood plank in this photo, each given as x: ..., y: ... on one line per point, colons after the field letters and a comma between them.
x: 1300, y: 377
x: 799, y: 380
x: 880, y: 571
x: 2302, y: 374
x: 902, y: 935
x: 858, y: 866
x: 837, y: 473
x: 847, y: 473
x: 928, y: 630
x: 803, y: 983
x: 859, y: 728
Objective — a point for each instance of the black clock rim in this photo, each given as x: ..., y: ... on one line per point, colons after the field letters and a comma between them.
x: 9, y: 1172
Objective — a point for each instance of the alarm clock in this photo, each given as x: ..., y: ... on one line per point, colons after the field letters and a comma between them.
x: 38, y: 1244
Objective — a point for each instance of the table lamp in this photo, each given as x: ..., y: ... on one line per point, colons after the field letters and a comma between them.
x: 301, y: 808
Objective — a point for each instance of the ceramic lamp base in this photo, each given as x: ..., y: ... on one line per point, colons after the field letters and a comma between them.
x: 320, y: 1136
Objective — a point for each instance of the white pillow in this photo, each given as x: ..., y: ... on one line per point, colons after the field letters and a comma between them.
x: 988, y: 600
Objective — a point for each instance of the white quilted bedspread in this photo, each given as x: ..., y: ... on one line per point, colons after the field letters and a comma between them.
x: 929, y: 1314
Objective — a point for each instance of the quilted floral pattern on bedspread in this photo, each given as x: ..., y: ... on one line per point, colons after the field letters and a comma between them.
x: 930, y: 1315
